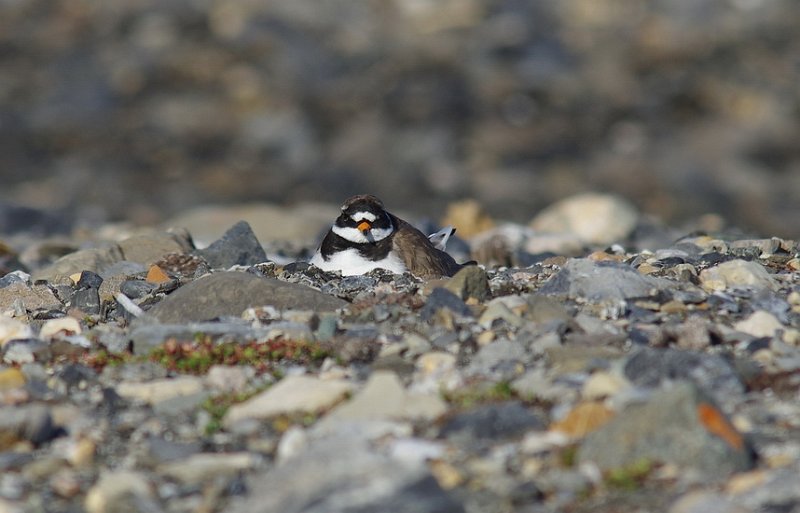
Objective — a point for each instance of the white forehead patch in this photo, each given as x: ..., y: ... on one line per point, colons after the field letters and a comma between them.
x: 358, y: 216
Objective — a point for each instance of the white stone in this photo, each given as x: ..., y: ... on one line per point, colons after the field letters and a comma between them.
x: 230, y: 378
x: 603, y: 384
x: 292, y: 443
x: 383, y: 397
x: 200, y: 468
x: 58, y: 328
x: 293, y: 394
x: 12, y: 329
x: 759, y: 324
x: 156, y: 391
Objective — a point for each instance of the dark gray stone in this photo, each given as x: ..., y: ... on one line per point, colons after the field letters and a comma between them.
x: 87, y: 300
x: 124, y: 268
x: 31, y: 422
x: 653, y: 367
x: 237, y: 246
x: 443, y: 298
x: 89, y: 279
x: 135, y: 289
x: 230, y: 293
x: 602, y: 281
x: 15, y: 277
x: 673, y: 426
x: 27, y: 350
x: 159, y: 450
x: 470, y: 281
x: 492, y: 422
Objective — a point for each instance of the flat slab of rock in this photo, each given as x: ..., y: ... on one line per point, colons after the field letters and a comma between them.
x: 36, y: 297
x: 604, y: 281
x: 737, y: 273
x: 230, y: 293
x: 294, y: 394
x: 156, y: 391
x: 383, y: 397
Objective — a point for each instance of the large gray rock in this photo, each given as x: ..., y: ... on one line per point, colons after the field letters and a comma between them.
x: 237, y: 246
x: 230, y: 293
x: 679, y: 425
x: 602, y: 281
x: 143, y: 249
x: 345, y: 474
x: 36, y: 297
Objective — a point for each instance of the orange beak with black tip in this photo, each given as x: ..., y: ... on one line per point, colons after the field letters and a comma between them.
x: 364, y: 226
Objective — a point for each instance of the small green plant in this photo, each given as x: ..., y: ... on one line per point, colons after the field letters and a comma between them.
x: 569, y: 456
x: 101, y: 358
x: 197, y: 356
x: 629, y: 477
x: 480, y: 394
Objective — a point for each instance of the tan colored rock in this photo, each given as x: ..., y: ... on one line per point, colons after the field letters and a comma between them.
x: 468, y: 217
x: 293, y: 394
x: 156, y: 391
x: 736, y: 273
x: 384, y: 397
x: 759, y: 324
x: 12, y: 329
x: 594, y: 218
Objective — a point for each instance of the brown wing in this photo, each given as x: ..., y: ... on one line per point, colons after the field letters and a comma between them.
x: 419, y: 254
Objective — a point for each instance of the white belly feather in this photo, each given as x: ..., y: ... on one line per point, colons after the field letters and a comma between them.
x: 350, y: 263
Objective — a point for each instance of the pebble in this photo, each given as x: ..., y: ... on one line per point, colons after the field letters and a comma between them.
x: 157, y: 391
x: 11, y: 378
x: 58, y: 328
x: 759, y: 324
x: 202, y: 468
x: 736, y: 273
x: 12, y: 329
x: 584, y: 418
x: 603, y: 384
x: 594, y: 218
x: 121, y: 490
x: 492, y: 421
x: 470, y: 282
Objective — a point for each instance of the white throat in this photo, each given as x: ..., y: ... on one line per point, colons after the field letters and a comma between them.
x: 357, y: 236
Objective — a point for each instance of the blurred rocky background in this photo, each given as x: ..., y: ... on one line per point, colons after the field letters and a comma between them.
x: 141, y: 109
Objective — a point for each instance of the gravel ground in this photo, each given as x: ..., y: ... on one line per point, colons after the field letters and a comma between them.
x: 142, y: 373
